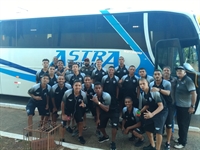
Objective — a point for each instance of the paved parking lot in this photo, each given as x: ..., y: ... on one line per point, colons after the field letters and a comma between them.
x: 14, y: 120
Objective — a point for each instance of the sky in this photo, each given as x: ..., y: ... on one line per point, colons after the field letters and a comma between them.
x: 14, y: 7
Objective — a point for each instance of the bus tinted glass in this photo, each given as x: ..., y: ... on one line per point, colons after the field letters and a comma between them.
x: 91, y: 31
x: 166, y: 25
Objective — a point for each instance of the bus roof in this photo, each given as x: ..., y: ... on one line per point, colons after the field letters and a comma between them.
x: 55, y: 9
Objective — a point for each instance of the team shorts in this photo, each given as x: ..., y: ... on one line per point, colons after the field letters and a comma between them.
x: 170, y: 116
x: 113, y: 115
x: 91, y: 107
x: 78, y: 115
x: 58, y: 106
x: 41, y: 105
x: 157, y: 122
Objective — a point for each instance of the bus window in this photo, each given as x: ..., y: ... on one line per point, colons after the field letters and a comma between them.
x: 168, y: 56
x: 34, y: 32
x: 8, y: 34
x: 190, y: 56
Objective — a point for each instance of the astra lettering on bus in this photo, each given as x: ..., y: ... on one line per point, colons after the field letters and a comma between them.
x: 108, y: 57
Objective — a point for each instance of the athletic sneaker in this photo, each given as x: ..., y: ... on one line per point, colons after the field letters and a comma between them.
x: 81, y: 140
x: 179, y: 146
x: 103, y: 139
x: 69, y: 129
x: 75, y: 133
x: 112, y: 146
x: 149, y: 148
x: 98, y: 133
x: 176, y: 141
x: 132, y: 138
x: 139, y: 143
x: 85, y: 128
x: 167, y: 146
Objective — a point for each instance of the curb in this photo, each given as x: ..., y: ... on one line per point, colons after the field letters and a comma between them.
x: 64, y: 144
x: 22, y: 107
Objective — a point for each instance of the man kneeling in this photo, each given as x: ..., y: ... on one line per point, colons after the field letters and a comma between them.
x: 131, y: 121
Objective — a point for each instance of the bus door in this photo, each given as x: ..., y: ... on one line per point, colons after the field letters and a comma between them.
x: 169, y: 53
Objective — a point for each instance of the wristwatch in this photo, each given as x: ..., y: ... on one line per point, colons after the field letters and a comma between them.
x: 193, y: 106
x: 99, y: 103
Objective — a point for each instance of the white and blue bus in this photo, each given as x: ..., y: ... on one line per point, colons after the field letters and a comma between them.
x: 145, y: 38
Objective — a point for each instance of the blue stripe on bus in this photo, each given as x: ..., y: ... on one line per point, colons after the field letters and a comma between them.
x: 23, y: 76
x: 144, y: 60
x: 10, y: 64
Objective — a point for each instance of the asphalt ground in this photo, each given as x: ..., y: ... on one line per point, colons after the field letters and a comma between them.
x: 15, y: 120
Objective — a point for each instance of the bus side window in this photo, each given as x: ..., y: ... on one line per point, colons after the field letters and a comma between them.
x: 191, y: 57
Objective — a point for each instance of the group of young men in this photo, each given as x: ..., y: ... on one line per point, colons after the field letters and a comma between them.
x: 144, y: 103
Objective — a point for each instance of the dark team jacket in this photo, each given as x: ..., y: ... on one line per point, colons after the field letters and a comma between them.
x: 165, y: 85
x: 105, y: 99
x: 152, y: 99
x: 37, y: 90
x: 72, y: 103
x: 98, y: 74
x: 120, y: 72
x: 87, y: 70
x: 39, y: 75
x: 53, y: 80
x: 129, y: 86
x: 130, y: 118
x: 57, y: 93
x: 72, y: 77
x: 90, y: 92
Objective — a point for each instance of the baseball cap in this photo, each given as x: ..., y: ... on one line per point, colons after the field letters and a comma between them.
x: 86, y: 59
x: 180, y: 67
